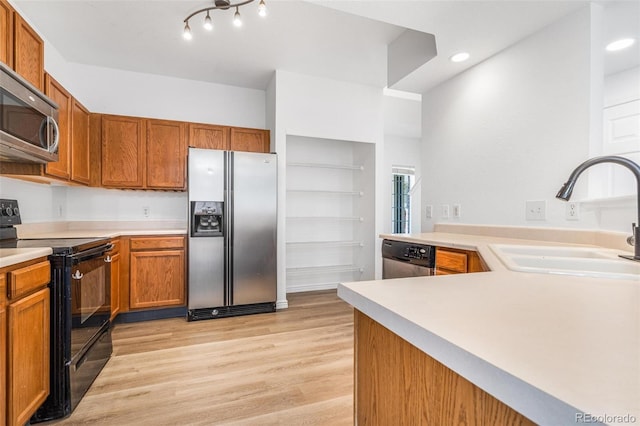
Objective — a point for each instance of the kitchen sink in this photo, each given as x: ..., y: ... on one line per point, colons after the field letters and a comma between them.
x: 567, y: 260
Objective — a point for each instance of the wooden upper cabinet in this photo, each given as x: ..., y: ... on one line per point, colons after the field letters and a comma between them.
x: 58, y: 94
x: 123, y: 153
x: 166, y: 154
x: 28, y: 58
x: 80, y: 152
x: 253, y: 140
x: 208, y: 136
x: 6, y: 33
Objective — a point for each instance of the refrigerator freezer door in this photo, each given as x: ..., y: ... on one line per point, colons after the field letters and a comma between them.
x: 253, y: 234
x: 206, y: 272
x: 206, y: 254
x: 206, y: 175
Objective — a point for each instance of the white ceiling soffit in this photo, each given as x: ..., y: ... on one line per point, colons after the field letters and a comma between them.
x: 621, y: 20
x: 411, y: 50
x: 146, y: 36
x: 482, y: 28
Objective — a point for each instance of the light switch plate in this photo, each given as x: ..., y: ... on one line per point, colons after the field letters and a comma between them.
x: 445, y: 211
x: 428, y: 212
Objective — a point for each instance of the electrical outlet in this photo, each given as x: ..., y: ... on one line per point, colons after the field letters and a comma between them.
x: 60, y: 210
x: 445, y: 211
x: 536, y: 210
x: 572, y: 211
x: 146, y: 211
x: 428, y: 212
x: 457, y: 211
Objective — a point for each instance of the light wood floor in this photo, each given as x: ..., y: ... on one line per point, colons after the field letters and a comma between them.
x: 291, y: 367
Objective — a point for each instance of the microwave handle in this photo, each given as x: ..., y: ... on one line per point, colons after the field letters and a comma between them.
x: 56, y: 137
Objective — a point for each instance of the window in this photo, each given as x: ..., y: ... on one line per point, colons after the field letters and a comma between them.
x: 401, y: 185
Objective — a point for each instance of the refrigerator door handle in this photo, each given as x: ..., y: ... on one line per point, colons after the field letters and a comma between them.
x: 228, y: 243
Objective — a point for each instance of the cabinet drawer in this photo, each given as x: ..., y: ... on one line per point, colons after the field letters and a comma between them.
x: 452, y: 261
x: 157, y: 243
x: 29, y: 278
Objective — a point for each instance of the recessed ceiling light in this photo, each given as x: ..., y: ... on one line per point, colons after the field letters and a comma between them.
x: 459, y: 57
x: 620, y: 44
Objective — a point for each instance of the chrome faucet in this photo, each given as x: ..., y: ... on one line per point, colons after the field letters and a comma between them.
x: 567, y: 189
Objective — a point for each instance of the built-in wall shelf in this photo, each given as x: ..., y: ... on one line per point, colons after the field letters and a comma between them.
x: 330, y: 205
x: 355, y: 167
x: 325, y: 244
x: 325, y: 269
x: 328, y: 192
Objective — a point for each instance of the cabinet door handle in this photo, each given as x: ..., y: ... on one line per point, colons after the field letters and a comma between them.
x: 77, y: 275
x: 107, y: 259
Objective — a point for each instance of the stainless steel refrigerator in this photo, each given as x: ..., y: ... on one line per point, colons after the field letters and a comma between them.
x: 232, y: 233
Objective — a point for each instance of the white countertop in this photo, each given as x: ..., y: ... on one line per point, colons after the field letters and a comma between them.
x: 103, y: 233
x: 549, y: 346
x: 12, y: 256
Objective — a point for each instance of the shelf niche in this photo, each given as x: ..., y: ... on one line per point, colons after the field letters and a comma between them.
x: 330, y: 212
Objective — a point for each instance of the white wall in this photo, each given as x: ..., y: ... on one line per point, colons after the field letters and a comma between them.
x: 402, y: 147
x: 511, y: 129
x: 37, y: 202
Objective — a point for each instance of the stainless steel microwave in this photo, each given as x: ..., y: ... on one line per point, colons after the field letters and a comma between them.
x: 28, y: 121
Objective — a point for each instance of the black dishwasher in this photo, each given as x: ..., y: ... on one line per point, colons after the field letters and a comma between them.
x: 402, y: 259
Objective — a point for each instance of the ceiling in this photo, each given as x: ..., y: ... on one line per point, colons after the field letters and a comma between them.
x: 342, y: 40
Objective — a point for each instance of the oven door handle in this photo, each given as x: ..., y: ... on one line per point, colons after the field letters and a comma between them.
x: 91, y: 254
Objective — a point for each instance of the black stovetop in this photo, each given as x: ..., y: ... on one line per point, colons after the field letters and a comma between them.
x: 60, y: 246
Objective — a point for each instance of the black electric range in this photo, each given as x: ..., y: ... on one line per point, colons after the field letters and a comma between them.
x: 80, y: 310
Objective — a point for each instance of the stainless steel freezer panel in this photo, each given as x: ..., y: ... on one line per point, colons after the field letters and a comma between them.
x: 206, y: 175
x: 206, y: 272
x: 206, y: 254
x: 253, y: 233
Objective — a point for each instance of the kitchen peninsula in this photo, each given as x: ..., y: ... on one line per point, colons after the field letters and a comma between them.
x: 496, y: 347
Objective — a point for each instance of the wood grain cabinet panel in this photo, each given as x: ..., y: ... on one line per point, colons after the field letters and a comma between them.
x: 253, y: 140
x: 6, y: 33
x: 166, y: 154
x: 208, y: 136
x: 28, y: 359
x: 24, y: 280
x: 57, y: 93
x: 80, y: 144
x: 123, y: 153
x: 3, y: 346
x: 156, y: 243
x: 28, y: 58
x: 157, y: 279
x: 455, y: 261
x: 114, y: 254
x: 398, y: 384
x: 157, y: 272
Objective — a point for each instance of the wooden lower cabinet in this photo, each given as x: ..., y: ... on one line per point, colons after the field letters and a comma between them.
x: 28, y: 379
x: 24, y: 332
x: 398, y: 384
x: 157, y: 272
x: 3, y: 346
x: 455, y: 261
x: 114, y: 254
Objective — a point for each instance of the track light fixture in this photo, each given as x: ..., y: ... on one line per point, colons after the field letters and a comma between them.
x: 221, y: 5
